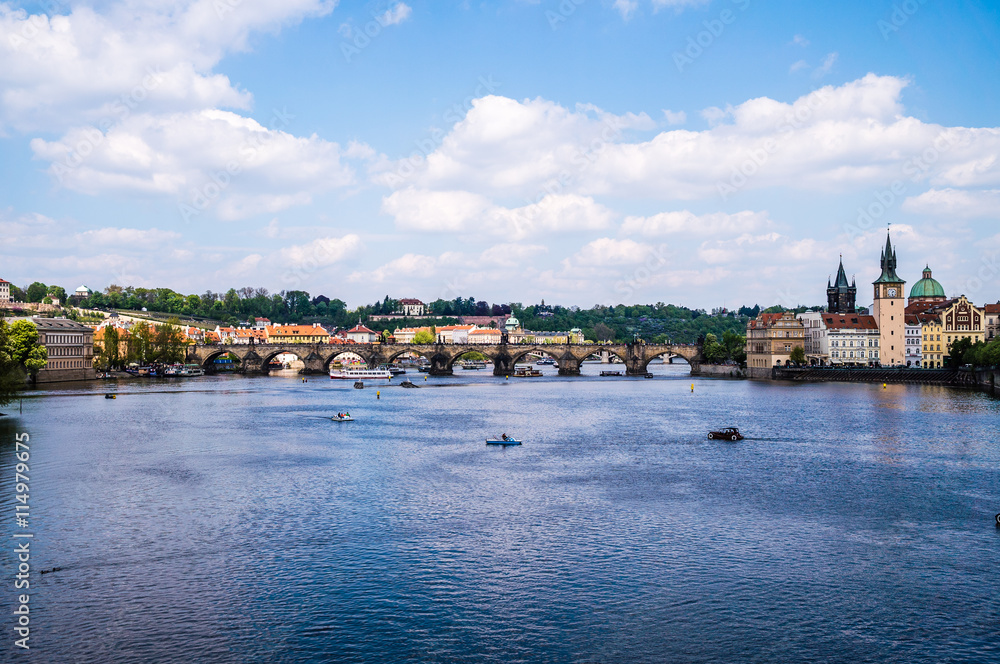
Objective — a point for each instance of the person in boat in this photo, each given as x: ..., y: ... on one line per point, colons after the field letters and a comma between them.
x: 504, y: 437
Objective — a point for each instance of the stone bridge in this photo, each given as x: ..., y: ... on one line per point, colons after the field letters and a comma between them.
x: 255, y: 358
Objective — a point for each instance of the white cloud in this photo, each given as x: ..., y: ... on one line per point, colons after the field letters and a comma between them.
x: 824, y: 69
x: 799, y: 40
x: 126, y: 236
x: 956, y: 203
x: 626, y: 8
x: 207, y: 159
x: 319, y: 253
x: 689, y: 224
x: 465, y: 212
x: 748, y: 249
x: 607, y: 251
x: 675, y: 118
x: 798, y: 66
x: 395, y: 15
x: 834, y: 139
x: 85, y: 66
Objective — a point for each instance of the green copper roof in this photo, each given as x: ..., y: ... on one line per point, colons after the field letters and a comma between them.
x: 889, y: 275
x: 927, y: 287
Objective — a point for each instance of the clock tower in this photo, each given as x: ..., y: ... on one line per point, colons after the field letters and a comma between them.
x: 889, y: 310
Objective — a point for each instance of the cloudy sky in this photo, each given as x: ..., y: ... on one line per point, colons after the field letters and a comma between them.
x: 698, y: 152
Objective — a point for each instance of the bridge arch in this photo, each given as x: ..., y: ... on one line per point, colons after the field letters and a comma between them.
x: 519, y: 354
x: 340, y: 351
x: 208, y: 363
x: 691, y: 358
x: 391, y: 357
x: 270, y: 354
x: 465, y: 351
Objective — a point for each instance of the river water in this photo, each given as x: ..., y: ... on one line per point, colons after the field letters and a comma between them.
x: 227, y: 519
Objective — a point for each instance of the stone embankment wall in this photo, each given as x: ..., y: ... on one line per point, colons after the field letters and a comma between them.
x: 722, y: 371
x: 988, y: 381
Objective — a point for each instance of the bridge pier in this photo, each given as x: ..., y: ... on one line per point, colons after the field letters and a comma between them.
x: 253, y: 364
x: 440, y: 364
x: 314, y: 364
x: 503, y: 364
x: 569, y: 366
x: 635, y: 361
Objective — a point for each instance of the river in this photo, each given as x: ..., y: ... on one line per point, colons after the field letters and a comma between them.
x: 227, y: 519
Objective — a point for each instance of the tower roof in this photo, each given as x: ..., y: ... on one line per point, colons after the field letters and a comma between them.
x: 927, y: 287
x: 842, y: 276
x: 889, y: 275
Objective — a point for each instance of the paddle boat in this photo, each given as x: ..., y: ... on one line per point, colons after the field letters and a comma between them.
x: 342, y: 417
x: 110, y: 396
x: 502, y: 440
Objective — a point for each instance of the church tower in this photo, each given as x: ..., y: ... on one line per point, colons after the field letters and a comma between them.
x: 841, y: 297
x: 889, y: 311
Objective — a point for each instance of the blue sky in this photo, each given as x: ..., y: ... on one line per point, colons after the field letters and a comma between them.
x: 582, y: 152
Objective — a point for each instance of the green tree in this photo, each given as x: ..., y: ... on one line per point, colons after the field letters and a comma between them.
x: 798, y: 355
x: 110, y: 355
x: 958, y: 352
x: 603, y: 332
x: 423, y: 337
x: 37, y: 291
x: 713, y: 351
x: 12, y: 374
x: 22, y: 341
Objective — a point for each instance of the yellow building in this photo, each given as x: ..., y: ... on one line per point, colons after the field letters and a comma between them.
x: 771, y: 339
x: 297, y: 334
x: 934, y: 350
x: 944, y: 323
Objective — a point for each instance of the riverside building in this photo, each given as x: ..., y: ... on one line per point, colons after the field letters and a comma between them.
x: 70, y: 348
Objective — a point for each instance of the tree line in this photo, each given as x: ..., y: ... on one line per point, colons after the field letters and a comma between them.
x: 657, y: 323
x: 143, y: 344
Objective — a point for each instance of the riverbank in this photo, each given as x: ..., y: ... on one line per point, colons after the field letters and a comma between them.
x: 720, y: 371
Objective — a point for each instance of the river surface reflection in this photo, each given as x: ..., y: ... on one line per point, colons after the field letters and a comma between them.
x: 227, y: 519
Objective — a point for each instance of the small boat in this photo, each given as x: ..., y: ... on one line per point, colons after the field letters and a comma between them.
x: 407, y: 383
x: 359, y: 385
x: 545, y: 361
x: 526, y: 372
x: 473, y: 365
x: 342, y: 417
x: 729, y: 433
x: 503, y: 440
x: 611, y: 373
x: 424, y: 368
x: 110, y: 396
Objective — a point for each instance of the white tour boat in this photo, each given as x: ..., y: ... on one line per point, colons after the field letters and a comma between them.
x: 357, y: 373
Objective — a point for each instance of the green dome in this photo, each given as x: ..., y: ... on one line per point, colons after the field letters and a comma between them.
x: 927, y: 287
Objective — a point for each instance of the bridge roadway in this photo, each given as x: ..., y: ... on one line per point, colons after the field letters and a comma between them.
x: 255, y: 358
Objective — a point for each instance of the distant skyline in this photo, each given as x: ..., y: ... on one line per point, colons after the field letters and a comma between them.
x: 697, y: 152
